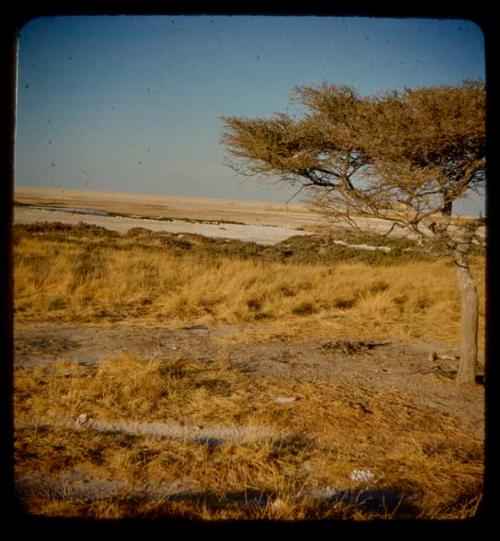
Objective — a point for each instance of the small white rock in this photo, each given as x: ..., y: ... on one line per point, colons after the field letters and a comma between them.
x: 82, y: 419
x: 362, y: 475
x: 285, y: 399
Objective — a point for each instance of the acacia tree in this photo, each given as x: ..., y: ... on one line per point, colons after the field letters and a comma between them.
x: 403, y: 157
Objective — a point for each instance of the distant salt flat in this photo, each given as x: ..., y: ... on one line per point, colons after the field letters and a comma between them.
x: 260, y: 234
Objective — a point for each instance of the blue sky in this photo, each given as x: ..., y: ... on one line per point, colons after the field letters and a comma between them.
x: 133, y: 104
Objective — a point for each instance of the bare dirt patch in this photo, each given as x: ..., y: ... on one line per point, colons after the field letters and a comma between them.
x: 374, y: 365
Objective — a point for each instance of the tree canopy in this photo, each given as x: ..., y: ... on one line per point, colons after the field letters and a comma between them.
x: 400, y: 155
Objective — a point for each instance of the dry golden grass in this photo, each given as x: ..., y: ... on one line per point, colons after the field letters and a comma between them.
x: 91, y: 276
x: 90, y: 281
x: 320, y: 439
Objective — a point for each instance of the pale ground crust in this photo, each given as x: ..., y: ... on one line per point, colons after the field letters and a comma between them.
x: 157, y: 206
x: 256, y: 221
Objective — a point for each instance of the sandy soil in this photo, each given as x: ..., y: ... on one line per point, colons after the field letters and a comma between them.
x: 375, y: 366
x: 165, y: 206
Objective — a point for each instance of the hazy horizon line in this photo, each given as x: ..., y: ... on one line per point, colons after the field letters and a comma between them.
x: 59, y: 188
x: 262, y: 201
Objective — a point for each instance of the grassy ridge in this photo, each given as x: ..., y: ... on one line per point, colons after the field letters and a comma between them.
x: 85, y: 273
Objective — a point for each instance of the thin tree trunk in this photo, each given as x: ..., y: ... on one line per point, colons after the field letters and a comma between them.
x: 447, y: 208
x: 469, y: 326
x: 470, y: 307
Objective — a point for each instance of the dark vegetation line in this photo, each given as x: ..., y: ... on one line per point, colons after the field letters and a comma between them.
x: 311, y: 249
